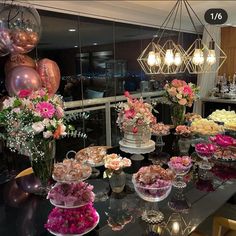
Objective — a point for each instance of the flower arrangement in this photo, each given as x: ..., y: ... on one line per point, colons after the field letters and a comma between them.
x: 73, y: 194
x: 29, y: 116
x: 72, y: 221
x: 182, y: 93
x: 114, y: 162
x: 183, y: 130
x: 135, y: 113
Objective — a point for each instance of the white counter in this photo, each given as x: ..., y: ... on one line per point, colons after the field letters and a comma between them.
x: 218, y: 100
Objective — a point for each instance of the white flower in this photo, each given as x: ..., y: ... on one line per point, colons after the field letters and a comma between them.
x: 46, y: 122
x: 38, y: 126
x: 63, y: 130
x: 8, y: 102
x: 53, y: 123
x: 47, y: 134
x: 16, y: 110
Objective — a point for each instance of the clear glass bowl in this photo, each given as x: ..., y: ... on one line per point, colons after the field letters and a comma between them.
x: 152, y: 194
x: 180, y: 171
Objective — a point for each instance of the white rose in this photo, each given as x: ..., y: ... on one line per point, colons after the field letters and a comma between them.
x: 38, y: 127
x: 47, y: 134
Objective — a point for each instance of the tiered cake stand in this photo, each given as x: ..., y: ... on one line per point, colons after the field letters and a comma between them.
x: 137, y: 151
x: 72, y: 207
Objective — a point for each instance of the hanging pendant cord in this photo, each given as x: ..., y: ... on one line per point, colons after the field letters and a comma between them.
x: 199, y: 19
x: 167, y: 20
x: 170, y: 13
x: 191, y: 19
x: 180, y: 21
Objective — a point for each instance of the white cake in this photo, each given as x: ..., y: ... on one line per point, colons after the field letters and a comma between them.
x: 139, y: 139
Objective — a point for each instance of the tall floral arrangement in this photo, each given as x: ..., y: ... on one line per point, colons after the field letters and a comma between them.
x: 32, y: 116
x: 182, y: 93
x: 134, y: 113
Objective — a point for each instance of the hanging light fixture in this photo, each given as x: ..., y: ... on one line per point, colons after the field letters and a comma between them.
x: 171, y: 58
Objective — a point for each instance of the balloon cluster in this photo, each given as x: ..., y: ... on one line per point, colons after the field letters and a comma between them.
x: 20, y: 29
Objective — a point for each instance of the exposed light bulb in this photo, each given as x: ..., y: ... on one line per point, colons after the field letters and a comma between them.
x: 211, y: 57
x: 151, y: 60
x: 178, y: 59
x: 175, y: 228
x: 198, y: 58
x: 158, y: 59
x: 169, y: 57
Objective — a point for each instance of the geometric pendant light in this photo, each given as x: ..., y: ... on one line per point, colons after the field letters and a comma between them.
x: 171, y: 58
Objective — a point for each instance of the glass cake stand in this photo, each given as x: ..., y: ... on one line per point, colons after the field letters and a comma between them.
x: 137, y: 151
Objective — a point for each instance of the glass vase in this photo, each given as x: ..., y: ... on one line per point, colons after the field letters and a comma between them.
x: 177, y: 114
x: 42, y: 162
x: 117, y: 181
x: 184, y: 145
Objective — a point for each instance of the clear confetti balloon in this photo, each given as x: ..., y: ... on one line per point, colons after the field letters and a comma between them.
x: 20, y: 28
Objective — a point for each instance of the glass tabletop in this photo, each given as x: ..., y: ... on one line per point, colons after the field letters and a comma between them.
x: 120, y: 213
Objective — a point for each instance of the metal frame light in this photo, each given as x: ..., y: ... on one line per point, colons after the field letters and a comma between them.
x: 171, y: 58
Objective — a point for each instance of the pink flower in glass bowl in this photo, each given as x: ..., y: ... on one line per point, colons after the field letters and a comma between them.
x: 180, y: 165
x: 205, y: 149
x: 223, y: 140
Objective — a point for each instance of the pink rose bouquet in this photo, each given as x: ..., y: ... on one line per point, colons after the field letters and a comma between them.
x: 135, y: 113
x: 72, y: 194
x: 114, y: 163
x: 179, y: 92
x: 72, y: 221
x: 31, y: 116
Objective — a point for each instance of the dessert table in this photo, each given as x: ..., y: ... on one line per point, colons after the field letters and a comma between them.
x: 24, y: 214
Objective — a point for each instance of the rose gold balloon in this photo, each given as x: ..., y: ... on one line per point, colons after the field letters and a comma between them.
x: 33, y: 38
x: 22, y: 77
x: 50, y: 74
x: 20, y: 37
x: 19, y: 60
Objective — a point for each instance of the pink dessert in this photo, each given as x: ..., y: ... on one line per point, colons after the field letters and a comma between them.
x: 180, y: 164
x: 160, y: 129
x: 153, y: 183
x: 70, y: 195
x: 72, y: 221
x: 223, y: 140
x: 205, y: 149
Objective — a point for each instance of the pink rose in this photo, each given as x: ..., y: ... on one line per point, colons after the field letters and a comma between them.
x: 172, y: 91
x: 130, y: 113
x: 24, y: 93
x: 135, y: 130
x: 127, y: 94
x: 183, y: 101
x: 187, y: 90
x: 178, y: 83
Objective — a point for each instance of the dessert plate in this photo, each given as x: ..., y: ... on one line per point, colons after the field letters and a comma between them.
x: 67, y: 207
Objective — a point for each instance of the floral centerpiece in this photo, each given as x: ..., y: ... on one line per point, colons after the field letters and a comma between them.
x: 179, y: 95
x: 115, y: 164
x: 135, y: 119
x: 31, y: 121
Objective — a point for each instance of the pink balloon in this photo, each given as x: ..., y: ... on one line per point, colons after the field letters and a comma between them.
x: 22, y: 77
x: 50, y: 74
